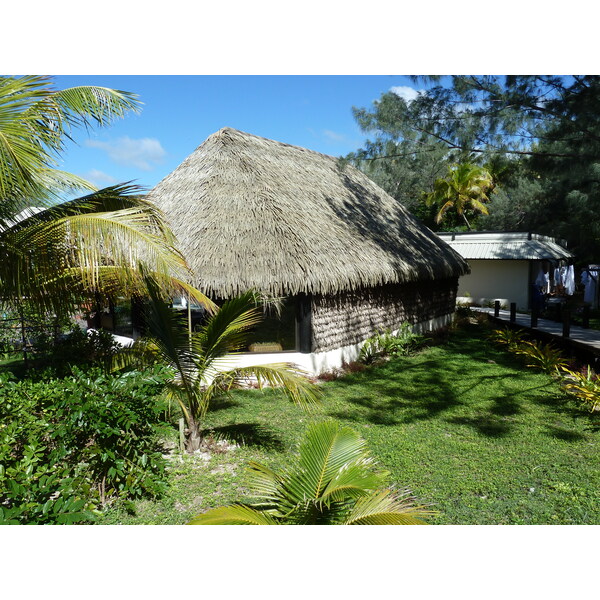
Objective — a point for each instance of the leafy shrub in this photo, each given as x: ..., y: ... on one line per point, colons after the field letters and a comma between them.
x: 464, y: 316
x: 78, y: 348
x: 404, y: 342
x: 583, y: 385
x: 509, y: 338
x: 69, y: 446
x: 542, y: 356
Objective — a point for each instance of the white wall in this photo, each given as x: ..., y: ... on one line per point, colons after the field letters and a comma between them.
x: 319, y: 362
x: 506, y: 280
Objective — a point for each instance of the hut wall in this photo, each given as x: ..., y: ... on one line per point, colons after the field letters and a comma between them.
x: 351, y: 317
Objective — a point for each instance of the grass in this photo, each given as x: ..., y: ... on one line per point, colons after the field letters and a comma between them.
x: 464, y: 425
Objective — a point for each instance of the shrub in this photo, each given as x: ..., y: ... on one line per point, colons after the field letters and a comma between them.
x: 583, y: 385
x: 542, y: 356
x: 78, y: 348
x: 69, y: 446
x: 509, y: 338
x: 404, y: 342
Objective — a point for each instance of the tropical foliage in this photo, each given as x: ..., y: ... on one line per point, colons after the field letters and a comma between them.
x: 71, y: 446
x: 464, y: 189
x: 384, y: 344
x: 335, y: 482
x: 509, y: 338
x: 583, y: 385
x: 57, y: 254
x: 541, y: 356
x: 537, y: 134
x: 202, y: 360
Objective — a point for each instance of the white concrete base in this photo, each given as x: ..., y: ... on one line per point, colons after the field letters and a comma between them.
x: 484, y: 302
x: 316, y: 363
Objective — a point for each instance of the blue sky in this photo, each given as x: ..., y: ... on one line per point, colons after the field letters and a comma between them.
x: 180, y: 112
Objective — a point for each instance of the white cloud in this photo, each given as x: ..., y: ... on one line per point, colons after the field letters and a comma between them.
x: 333, y: 136
x: 143, y: 154
x: 406, y: 92
x: 99, y: 178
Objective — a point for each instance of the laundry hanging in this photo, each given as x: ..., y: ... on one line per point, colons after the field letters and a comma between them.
x: 589, y: 278
x: 543, y: 281
x: 570, y: 280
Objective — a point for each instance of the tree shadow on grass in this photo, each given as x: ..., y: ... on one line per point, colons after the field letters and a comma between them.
x: 488, y: 425
x: 434, y: 387
x: 223, y: 403
x: 562, y: 433
x: 390, y: 401
x: 248, y: 434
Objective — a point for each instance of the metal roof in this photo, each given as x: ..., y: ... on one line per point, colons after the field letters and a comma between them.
x: 505, y: 246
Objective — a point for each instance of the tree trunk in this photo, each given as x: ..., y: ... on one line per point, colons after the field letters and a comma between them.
x: 194, y: 437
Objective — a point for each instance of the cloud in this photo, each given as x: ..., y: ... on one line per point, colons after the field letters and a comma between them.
x: 406, y: 92
x: 143, y: 154
x: 333, y: 136
x: 99, y: 178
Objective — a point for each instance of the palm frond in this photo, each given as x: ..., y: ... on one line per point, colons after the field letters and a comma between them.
x: 228, y: 330
x: 236, y: 514
x: 326, y: 449
x: 387, y: 508
x: 35, y: 119
x: 334, y: 482
x: 88, y: 246
x: 292, y: 381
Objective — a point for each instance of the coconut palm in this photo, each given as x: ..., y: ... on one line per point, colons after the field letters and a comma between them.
x: 202, y: 360
x: 35, y: 121
x: 465, y: 187
x: 333, y: 483
x: 56, y: 254
x: 89, y: 247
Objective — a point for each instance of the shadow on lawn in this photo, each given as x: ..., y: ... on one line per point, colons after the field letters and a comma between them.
x: 470, y: 383
x: 248, y: 434
x: 434, y: 387
x: 562, y: 433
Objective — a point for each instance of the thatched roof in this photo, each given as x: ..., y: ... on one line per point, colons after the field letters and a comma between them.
x: 250, y: 212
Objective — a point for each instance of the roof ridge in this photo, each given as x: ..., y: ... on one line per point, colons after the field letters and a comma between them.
x: 228, y: 130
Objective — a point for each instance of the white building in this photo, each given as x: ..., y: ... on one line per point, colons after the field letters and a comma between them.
x: 503, y: 265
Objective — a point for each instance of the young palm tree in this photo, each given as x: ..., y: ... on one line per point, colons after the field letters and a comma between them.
x: 55, y: 254
x: 465, y: 187
x: 202, y: 360
x: 333, y: 483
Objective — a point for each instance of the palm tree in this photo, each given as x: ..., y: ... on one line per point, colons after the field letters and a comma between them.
x: 56, y: 254
x: 333, y: 483
x: 465, y: 187
x: 202, y: 360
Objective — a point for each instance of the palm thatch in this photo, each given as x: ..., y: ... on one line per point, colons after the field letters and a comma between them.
x: 249, y: 212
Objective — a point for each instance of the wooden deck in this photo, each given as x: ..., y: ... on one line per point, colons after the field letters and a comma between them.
x: 584, y: 339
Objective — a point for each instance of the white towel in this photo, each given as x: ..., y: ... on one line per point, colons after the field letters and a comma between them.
x: 570, y: 280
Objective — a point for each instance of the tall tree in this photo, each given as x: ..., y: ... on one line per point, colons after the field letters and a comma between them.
x: 541, y: 133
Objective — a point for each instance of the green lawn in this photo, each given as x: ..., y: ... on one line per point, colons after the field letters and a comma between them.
x: 465, y: 426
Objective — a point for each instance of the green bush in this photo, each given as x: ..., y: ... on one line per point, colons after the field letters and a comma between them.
x: 541, y: 356
x: 70, y: 446
x: 511, y: 339
x: 584, y: 385
x: 404, y: 343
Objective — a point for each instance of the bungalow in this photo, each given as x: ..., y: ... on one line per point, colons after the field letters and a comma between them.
x: 503, y: 265
x: 345, y: 258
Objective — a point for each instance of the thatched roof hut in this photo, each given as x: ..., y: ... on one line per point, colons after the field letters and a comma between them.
x: 255, y: 213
